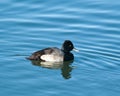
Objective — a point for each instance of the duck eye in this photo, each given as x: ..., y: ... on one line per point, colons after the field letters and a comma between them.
x: 70, y: 45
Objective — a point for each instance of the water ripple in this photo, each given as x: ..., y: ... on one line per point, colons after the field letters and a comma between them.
x: 92, y: 25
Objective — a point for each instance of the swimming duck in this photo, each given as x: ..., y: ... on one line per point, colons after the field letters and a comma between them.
x: 54, y: 54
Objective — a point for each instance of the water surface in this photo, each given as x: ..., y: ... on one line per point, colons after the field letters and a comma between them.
x: 92, y: 25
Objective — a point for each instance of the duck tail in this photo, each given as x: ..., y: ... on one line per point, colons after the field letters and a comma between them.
x: 31, y: 58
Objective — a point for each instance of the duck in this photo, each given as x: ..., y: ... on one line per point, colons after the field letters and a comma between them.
x: 54, y: 54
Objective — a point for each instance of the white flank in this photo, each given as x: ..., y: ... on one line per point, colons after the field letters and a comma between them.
x: 52, y: 58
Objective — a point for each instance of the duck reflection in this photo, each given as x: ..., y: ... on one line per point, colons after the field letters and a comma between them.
x: 65, y: 67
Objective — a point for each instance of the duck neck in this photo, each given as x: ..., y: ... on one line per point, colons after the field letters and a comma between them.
x: 66, y: 52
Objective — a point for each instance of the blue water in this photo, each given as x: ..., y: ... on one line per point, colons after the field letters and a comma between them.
x: 30, y: 25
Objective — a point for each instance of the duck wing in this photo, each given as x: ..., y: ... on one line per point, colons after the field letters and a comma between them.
x: 48, y: 54
x: 37, y: 55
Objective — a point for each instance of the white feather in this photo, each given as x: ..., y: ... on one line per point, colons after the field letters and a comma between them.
x: 52, y: 58
x: 56, y: 56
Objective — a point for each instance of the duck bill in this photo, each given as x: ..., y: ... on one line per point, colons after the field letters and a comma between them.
x: 76, y: 50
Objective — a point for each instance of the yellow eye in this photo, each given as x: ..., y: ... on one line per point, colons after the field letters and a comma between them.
x: 70, y: 45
